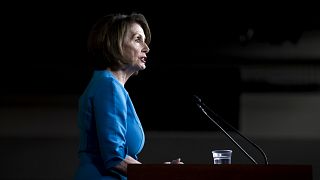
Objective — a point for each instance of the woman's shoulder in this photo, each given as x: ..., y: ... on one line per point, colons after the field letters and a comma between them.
x: 105, y: 77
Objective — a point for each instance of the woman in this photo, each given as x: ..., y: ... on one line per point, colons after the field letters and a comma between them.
x: 111, y: 135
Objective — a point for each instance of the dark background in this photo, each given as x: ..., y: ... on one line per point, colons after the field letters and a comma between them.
x: 44, y: 53
x: 267, y: 84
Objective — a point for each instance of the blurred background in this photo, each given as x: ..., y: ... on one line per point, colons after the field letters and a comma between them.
x: 256, y: 65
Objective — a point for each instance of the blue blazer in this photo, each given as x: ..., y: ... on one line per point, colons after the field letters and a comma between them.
x: 109, y: 128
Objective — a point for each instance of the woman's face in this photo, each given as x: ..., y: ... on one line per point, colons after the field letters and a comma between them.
x: 134, y: 47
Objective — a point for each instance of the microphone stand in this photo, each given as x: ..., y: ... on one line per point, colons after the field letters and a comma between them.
x: 252, y: 143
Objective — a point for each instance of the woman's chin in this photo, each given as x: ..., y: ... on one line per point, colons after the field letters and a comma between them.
x: 142, y: 67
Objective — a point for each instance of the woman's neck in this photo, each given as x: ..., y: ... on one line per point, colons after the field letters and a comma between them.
x: 121, y: 75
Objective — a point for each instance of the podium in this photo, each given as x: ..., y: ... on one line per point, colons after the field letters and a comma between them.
x: 222, y: 172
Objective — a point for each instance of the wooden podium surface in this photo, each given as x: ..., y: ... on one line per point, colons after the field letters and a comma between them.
x: 220, y: 172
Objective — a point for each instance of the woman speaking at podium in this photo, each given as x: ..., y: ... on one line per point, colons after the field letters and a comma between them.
x: 111, y: 135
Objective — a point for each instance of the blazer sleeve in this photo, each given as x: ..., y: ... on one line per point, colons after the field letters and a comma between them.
x: 110, y: 111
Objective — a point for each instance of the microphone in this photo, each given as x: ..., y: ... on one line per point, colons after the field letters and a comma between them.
x: 199, y: 103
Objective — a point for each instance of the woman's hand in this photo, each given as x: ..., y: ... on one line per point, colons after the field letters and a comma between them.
x: 175, y: 161
x: 123, y: 165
